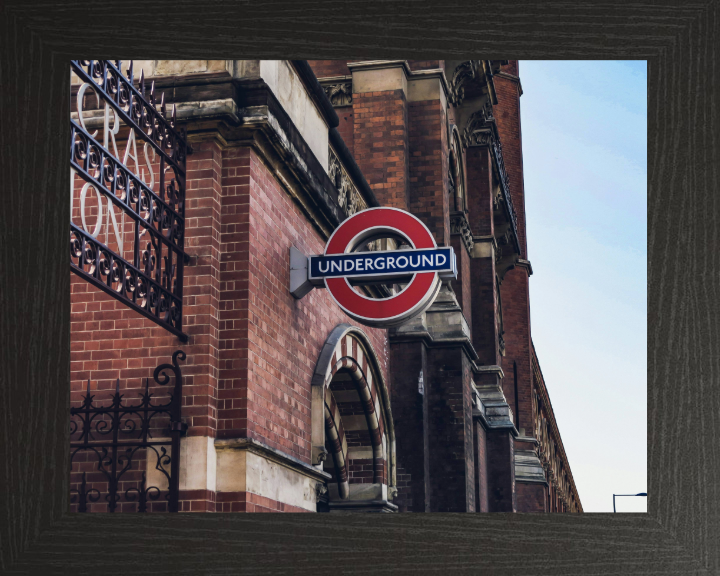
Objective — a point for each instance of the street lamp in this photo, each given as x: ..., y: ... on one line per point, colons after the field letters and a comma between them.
x: 641, y: 494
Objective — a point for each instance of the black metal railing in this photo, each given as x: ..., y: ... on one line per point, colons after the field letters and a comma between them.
x: 110, y: 444
x: 151, y: 279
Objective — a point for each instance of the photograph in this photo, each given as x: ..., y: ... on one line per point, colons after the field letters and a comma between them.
x: 370, y: 279
x: 305, y: 286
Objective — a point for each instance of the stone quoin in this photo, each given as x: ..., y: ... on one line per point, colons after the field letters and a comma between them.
x: 354, y: 289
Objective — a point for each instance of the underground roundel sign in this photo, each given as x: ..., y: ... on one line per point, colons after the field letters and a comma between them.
x: 421, y: 268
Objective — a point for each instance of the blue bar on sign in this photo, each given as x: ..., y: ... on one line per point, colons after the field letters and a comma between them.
x: 390, y: 263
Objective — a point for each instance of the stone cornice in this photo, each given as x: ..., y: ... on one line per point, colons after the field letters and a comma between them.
x: 492, y: 369
x: 524, y: 264
x: 256, y: 447
x: 512, y: 78
x: 316, y: 92
x: 245, y: 112
x: 380, y: 65
x: 442, y: 326
x: 528, y: 468
x: 492, y: 408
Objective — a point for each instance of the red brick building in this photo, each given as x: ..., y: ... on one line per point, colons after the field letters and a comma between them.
x: 289, y: 404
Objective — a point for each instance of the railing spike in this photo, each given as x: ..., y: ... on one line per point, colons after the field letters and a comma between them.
x: 130, y: 70
x: 142, y: 82
x: 88, y: 387
x: 117, y: 386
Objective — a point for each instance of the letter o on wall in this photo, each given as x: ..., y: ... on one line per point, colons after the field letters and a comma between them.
x: 83, y: 193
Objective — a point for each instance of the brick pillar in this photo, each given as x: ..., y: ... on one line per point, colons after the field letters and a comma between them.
x: 409, y: 408
x: 428, y: 146
x: 484, y: 287
x: 235, y: 237
x: 201, y: 294
x: 450, y: 431
x: 201, y: 291
x: 515, y: 286
x: 380, y: 144
x: 501, y: 476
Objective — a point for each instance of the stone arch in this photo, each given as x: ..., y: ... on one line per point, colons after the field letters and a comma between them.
x: 351, y: 420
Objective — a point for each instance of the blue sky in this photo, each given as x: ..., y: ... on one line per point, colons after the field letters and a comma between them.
x: 584, y: 131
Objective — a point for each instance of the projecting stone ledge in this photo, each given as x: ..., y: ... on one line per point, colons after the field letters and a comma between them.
x: 528, y: 467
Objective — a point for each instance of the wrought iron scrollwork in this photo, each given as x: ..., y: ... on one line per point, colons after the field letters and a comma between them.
x: 109, y: 443
x: 160, y: 214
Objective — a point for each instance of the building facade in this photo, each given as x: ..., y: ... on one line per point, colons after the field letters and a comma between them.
x: 288, y: 404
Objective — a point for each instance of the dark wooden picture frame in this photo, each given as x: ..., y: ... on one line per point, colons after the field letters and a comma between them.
x: 681, y: 531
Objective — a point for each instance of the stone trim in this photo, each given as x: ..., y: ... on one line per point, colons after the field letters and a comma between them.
x: 316, y: 92
x: 349, y: 198
x: 443, y: 325
x: 484, y: 247
x: 459, y: 226
x: 492, y: 409
x: 338, y: 90
x: 348, y: 163
x: 245, y: 112
x: 520, y: 263
x: 512, y: 78
x: 271, y: 454
x: 528, y: 468
x: 380, y: 65
x: 492, y: 369
x: 379, y: 76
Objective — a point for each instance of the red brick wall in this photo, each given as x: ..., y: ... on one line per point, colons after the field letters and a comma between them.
x: 411, y: 425
x: 346, y: 127
x: 428, y: 167
x: 269, y: 353
x: 514, y: 289
x: 479, y: 191
x: 109, y: 340
x: 530, y: 497
x: 450, y: 431
x: 381, y: 144
x: 328, y: 68
x: 252, y: 347
x: 507, y: 114
x: 426, y: 64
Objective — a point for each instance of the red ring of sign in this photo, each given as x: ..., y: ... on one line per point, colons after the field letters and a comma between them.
x: 415, y: 293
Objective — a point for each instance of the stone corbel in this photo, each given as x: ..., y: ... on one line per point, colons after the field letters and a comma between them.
x: 460, y: 225
x: 492, y: 407
x: 338, y: 90
x: 471, y: 79
x: 525, y: 264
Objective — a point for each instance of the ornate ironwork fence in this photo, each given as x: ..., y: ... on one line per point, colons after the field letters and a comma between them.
x: 110, y: 444
x: 148, y: 275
